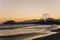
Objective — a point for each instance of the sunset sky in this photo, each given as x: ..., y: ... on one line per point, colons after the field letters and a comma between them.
x: 28, y: 9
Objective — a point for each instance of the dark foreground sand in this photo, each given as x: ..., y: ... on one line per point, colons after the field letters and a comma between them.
x: 19, y: 37
x: 51, y: 37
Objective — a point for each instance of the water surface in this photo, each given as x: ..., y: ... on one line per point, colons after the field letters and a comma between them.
x: 36, y: 32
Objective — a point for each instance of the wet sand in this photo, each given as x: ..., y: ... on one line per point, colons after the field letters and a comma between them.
x: 51, y: 37
x: 20, y: 37
x: 25, y: 36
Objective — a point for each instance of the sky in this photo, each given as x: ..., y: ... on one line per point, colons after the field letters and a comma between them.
x: 28, y: 9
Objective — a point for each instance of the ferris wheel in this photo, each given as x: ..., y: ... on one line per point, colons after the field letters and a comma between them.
x: 45, y: 16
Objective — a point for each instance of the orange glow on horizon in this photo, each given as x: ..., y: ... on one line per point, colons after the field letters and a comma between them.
x: 17, y: 19
x: 3, y: 19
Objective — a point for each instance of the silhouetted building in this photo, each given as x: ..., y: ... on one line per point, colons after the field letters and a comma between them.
x: 10, y: 22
